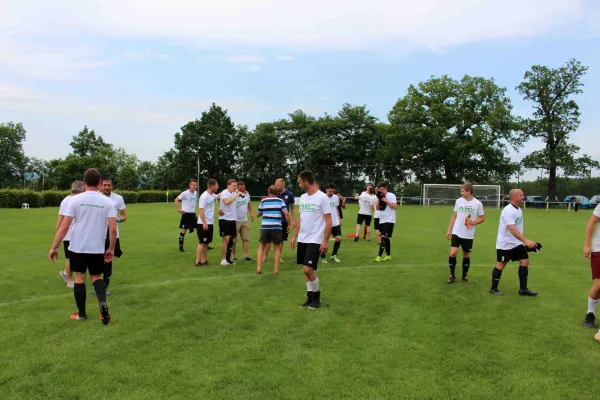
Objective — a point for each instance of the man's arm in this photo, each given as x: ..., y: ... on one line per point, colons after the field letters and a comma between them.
x: 62, y: 230
x: 451, y: 225
x: 293, y: 241
x: 589, y: 232
x: 294, y: 222
x: 202, y: 216
x: 123, y: 215
x: 479, y: 220
x: 179, y: 210
x: 513, y: 229
x: 229, y: 200
x: 325, y: 243
x: 59, y: 221
x: 250, y: 211
x: 287, y: 217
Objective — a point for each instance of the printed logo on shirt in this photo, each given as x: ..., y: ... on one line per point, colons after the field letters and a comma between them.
x: 519, y: 220
x: 466, y: 209
x: 308, y: 207
x: 91, y: 205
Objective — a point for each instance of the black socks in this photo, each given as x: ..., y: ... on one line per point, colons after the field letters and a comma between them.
x: 465, y: 266
x: 452, y: 265
x: 384, y: 246
x: 496, y: 275
x: 336, y: 247
x: 80, y: 295
x: 523, y: 273
x: 100, y: 289
x: 107, y: 273
x: 181, y: 238
x: 387, y: 246
x: 229, y: 250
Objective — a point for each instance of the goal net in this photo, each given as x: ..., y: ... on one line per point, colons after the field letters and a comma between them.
x: 440, y: 194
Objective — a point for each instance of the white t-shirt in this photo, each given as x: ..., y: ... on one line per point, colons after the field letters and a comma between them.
x: 119, y: 205
x: 365, y: 202
x: 241, y: 207
x: 90, y: 211
x: 377, y: 213
x: 207, y: 203
x: 462, y: 208
x: 188, y: 201
x: 510, y: 215
x: 228, y: 210
x: 596, y: 240
x: 312, y: 217
x: 334, y: 202
x: 61, y: 211
x: 388, y: 216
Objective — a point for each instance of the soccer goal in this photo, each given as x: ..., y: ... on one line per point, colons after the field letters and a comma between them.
x: 440, y: 194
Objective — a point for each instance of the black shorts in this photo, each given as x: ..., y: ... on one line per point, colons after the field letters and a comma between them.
x: 466, y: 244
x: 204, y: 237
x: 271, y: 236
x: 284, y: 230
x: 336, y: 231
x: 82, y: 263
x: 308, y: 254
x: 376, y: 224
x: 227, y: 228
x: 188, y: 221
x: 66, y: 248
x: 364, y: 218
x: 517, y: 254
x: 118, y: 252
x: 386, y: 229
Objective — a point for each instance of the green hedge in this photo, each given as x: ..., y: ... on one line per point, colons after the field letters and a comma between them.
x: 14, y: 198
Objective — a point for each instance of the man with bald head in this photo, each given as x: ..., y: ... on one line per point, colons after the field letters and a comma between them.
x: 511, y: 244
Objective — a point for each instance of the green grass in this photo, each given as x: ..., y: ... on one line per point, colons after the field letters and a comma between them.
x: 389, y: 330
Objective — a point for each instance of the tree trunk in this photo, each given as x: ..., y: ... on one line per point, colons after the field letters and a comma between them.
x: 552, y: 184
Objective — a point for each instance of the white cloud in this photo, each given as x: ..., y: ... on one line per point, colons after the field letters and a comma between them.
x: 241, y: 59
x: 148, y: 54
x: 253, y: 68
x: 286, y: 58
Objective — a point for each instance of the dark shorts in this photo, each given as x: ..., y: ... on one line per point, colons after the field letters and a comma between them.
x: 118, y: 252
x: 94, y: 263
x: 66, y: 248
x: 188, y: 221
x: 595, y: 260
x: 308, y: 254
x: 271, y: 236
x: 466, y: 244
x: 204, y: 237
x: 336, y: 231
x: 227, y: 228
x: 376, y: 224
x: 284, y: 230
x: 386, y: 229
x: 364, y: 218
x: 517, y: 254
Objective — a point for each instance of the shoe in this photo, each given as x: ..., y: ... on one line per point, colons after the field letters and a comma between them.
x: 451, y: 279
x: 377, y: 259
x: 281, y: 260
x: 258, y: 272
x: 335, y: 259
x: 316, y: 301
x: 93, y: 291
x: 107, y: 292
x: 211, y: 248
x: 464, y: 279
x: 356, y: 239
x: 64, y: 275
x: 309, y: 297
x: 323, y: 260
x: 248, y: 259
x: 71, y: 284
x: 198, y: 265
x: 527, y: 292
x: 234, y: 259
x: 104, y: 315
x: 387, y: 258
x: 496, y: 292
x: 224, y: 262
x: 181, y: 250
x: 589, y: 321
x: 77, y: 317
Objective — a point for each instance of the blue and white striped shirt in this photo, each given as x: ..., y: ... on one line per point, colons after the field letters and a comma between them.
x: 271, y: 209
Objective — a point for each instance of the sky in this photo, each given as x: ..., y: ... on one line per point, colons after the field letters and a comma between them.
x: 136, y: 71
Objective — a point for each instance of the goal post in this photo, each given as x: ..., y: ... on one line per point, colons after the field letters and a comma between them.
x: 446, y: 194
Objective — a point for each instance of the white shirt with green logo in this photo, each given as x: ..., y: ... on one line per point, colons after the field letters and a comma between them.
x: 188, y: 201
x: 312, y: 217
x: 207, y: 203
x: 241, y: 207
x: 334, y: 202
x: 464, y: 208
x: 510, y: 215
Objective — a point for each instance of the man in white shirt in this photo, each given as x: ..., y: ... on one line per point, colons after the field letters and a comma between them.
x: 119, y: 205
x: 91, y: 212
x: 366, y: 205
x: 189, y: 219
x: 227, y: 220
x: 591, y: 250
x: 76, y: 188
x: 243, y: 206
x: 511, y: 244
x: 468, y: 212
x: 206, y: 218
x: 336, y: 226
x: 387, y: 204
x: 314, y: 227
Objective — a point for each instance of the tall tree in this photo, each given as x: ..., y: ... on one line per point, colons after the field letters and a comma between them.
x: 451, y: 131
x: 87, y: 143
x: 12, y: 157
x: 555, y: 116
x: 147, y: 172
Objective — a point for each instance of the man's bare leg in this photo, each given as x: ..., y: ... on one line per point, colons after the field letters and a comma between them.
x: 259, y: 258
x: 277, y: 257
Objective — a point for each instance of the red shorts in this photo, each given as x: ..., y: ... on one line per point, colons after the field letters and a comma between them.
x: 595, y: 265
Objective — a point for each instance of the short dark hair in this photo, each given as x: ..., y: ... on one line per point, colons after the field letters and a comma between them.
x: 229, y: 182
x: 107, y: 178
x: 273, y: 190
x: 193, y: 180
x: 331, y: 186
x: 307, y: 176
x: 241, y: 183
x: 91, y: 177
x: 381, y: 185
x: 211, y: 182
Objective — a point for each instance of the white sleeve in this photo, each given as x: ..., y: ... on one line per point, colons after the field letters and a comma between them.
x: 392, y: 198
x: 509, y: 218
x: 597, y: 211
x: 456, y: 206
x: 121, y: 204
x: 480, y: 209
x: 202, y: 203
x: 325, y: 206
x: 70, y: 210
x: 112, y: 213
x: 181, y: 196
x: 63, y: 207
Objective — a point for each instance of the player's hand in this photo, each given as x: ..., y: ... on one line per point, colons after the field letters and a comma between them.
x: 448, y: 235
x: 221, y: 213
x: 324, y: 245
x: 204, y: 227
x: 109, y: 255
x: 530, y: 244
x: 252, y: 218
x: 469, y: 224
x: 587, y: 251
x: 293, y: 243
x: 384, y: 199
x: 53, y: 255
x: 292, y: 226
x: 181, y: 211
x: 287, y: 229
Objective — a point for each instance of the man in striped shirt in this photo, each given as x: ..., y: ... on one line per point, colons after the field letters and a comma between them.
x: 272, y: 210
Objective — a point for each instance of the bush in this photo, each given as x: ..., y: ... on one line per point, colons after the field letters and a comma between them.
x: 129, y: 196
x: 14, y: 198
x: 154, y: 196
x: 52, y: 198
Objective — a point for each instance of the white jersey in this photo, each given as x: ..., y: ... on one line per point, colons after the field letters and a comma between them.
x: 312, y: 217
x: 228, y: 210
x: 188, y: 201
x: 365, y: 203
x: 510, y: 215
x: 377, y: 213
x: 119, y: 205
x: 334, y: 202
x: 596, y: 241
x: 464, y: 208
x: 388, y: 216
x: 207, y: 203
x: 90, y: 211
x: 241, y: 207
x: 61, y: 211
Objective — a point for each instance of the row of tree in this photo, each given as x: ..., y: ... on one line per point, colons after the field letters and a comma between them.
x: 441, y: 131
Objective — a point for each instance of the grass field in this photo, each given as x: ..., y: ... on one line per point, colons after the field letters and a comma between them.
x: 385, y: 331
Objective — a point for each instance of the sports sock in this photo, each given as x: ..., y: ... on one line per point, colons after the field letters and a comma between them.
x: 452, y: 264
x: 107, y: 273
x: 381, y: 247
x: 315, y: 285
x: 496, y: 275
x: 387, y: 246
x: 309, y: 286
x: 80, y: 295
x: 229, y: 249
x: 523, y: 272
x: 465, y: 266
x: 592, y: 305
x: 181, y: 238
x: 336, y: 247
x: 100, y: 289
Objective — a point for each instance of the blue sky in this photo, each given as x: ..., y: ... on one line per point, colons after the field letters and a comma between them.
x: 137, y: 71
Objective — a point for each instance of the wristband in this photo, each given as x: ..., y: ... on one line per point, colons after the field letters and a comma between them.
x: 118, y: 219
